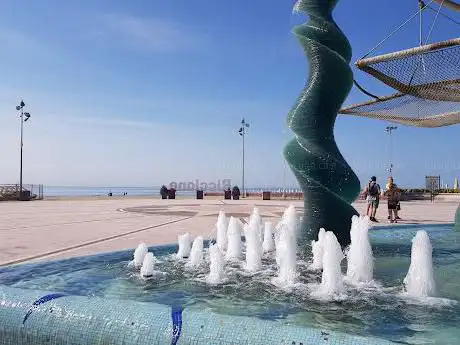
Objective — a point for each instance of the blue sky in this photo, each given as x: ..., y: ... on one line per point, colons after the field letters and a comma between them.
x: 146, y: 92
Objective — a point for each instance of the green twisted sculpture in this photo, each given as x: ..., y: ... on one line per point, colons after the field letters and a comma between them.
x: 328, y: 182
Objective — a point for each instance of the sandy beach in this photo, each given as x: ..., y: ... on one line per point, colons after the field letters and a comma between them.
x: 67, y: 227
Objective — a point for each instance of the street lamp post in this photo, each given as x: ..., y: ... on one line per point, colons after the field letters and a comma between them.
x: 242, y: 132
x: 389, y: 130
x: 24, y: 117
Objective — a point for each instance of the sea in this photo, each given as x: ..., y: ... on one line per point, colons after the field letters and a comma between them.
x: 70, y: 191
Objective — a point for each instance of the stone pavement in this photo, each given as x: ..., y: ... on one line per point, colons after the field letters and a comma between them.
x: 44, y: 230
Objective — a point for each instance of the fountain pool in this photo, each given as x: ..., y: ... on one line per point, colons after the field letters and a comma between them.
x: 105, y: 299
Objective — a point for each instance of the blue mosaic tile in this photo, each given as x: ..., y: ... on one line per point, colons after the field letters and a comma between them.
x: 78, y: 320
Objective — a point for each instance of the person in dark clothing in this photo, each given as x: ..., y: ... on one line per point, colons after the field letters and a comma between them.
x: 236, y: 193
x: 372, y: 194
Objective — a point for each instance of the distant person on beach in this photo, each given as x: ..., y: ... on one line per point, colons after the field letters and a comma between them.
x: 236, y: 193
x: 164, y: 192
x: 372, y: 194
x: 393, y: 196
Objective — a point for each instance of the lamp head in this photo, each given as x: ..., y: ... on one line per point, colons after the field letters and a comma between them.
x: 18, y: 107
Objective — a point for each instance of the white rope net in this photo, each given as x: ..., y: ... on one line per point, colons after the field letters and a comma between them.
x: 427, y: 79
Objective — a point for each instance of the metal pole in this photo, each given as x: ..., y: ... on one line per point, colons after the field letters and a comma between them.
x: 244, y: 132
x: 391, y: 156
x: 421, y: 6
x: 389, y: 130
x: 20, y: 168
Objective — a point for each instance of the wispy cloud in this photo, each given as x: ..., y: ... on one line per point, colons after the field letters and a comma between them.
x: 151, y: 34
x: 16, y: 43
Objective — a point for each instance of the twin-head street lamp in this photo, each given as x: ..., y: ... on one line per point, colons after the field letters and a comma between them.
x: 24, y: 117
x: 242, y: 132
x: 389, y: 130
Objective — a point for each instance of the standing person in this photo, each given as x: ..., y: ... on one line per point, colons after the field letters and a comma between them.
x: 393, y: 197
x: 372, y: 193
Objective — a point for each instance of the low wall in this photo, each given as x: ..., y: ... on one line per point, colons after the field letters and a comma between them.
x: 38, y: 317
x: 278, y: 195
x: 407, y: 196
x: 273, y: 195
x: 448, y: 197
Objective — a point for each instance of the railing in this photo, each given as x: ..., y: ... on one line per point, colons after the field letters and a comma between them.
x: 273, y: 195
x: 29, y: 192
x: 278, y: 195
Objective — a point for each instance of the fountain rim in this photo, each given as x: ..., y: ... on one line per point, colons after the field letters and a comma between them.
x: 411, y: 226
x: 18, y: 302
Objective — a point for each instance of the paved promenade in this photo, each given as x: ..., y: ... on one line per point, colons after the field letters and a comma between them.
x: 50, y: 229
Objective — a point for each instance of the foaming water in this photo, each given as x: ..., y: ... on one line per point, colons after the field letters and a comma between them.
x: 292, y: 219
x: 360, y: 260
x: 196, y: 255
x: 332, y: 279
x: 234, y: 249
x: 317, y: 248
x: 255, y: 220
x: 287, y: 250
x: 148, y: 266
x: 216, y: 267
x: 253, y: 247
x: 185, y: 246
x: 435, y: 302
x: 289, y: 221
x: 221, y: 226
x: 139, y: 254
x: 419, y: 281
x: 269, y: 243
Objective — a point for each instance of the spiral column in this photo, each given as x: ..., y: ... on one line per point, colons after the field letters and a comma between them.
x: 328, y: 182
